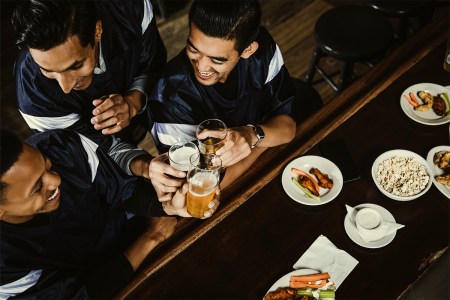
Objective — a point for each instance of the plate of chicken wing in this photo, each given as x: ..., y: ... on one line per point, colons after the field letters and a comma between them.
x: 438, y: 159
x: 426, y: 103
x: 312, y: 180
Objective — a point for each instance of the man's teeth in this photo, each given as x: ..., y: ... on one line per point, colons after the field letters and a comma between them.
x: 54, y: 195
x: 206, y: 73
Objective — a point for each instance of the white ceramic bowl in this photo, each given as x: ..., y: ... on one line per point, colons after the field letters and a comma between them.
x: 401, y: 153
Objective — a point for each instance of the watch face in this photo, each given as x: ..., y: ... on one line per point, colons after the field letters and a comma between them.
x: 259, y: 132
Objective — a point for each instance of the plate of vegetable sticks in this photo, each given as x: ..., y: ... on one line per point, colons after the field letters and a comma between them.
x: 416, y: 108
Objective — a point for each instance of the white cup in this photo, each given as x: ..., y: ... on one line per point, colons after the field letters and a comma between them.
x: 368, y: 221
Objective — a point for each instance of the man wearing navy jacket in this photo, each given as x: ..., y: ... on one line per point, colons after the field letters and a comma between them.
x: 231, y: 70
x: 64, y: 230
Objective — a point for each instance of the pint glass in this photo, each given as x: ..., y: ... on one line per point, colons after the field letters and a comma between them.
x: 211, y: 135
x: 203, y: 180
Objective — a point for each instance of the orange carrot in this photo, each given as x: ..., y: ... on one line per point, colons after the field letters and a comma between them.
x: 310, y: 277
x: 411, y: 101
x: 301, y: 173
x: 300, y: 285
x: 413, y: 97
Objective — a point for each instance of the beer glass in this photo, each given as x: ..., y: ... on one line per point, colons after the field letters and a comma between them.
x: 180, y: 154
x: 211, y: 135
x: 203, y: 181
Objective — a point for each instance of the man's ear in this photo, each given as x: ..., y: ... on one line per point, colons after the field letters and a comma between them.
x: 250, y: 50
x: 98, y: 31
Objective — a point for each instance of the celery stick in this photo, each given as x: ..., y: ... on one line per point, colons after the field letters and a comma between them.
x: 322, y: 293
x: 444, y: 97
x: 305, y: 190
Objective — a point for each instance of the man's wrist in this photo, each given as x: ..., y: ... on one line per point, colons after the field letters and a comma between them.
x: 136, y: 101
x: 140, y: 164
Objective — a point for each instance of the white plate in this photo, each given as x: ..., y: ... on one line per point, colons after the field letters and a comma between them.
x: 435, y: 170
x: 352, y: 232
x: 284, y: 281
x: 424, y: 117
x: 401, y: 153
x: 305, y: 163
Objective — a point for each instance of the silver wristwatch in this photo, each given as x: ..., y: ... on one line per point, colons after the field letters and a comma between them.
x: 259, y: 132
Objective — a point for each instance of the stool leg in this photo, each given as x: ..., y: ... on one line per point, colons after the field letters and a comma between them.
x: 312, y: 65
x: 346, y: 75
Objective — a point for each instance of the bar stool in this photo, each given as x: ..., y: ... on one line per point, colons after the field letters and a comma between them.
x: 350, y: 34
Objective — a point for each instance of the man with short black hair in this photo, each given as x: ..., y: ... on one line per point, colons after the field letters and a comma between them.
x: 65, y: 230
x: 231, y: 70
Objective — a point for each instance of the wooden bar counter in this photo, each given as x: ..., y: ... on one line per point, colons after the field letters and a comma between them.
x: 259, y: 232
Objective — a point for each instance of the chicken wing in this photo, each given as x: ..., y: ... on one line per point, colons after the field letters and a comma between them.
x: 324, y: 181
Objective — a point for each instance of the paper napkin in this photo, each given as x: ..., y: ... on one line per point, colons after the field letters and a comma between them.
x: 383, y: 230
x: 323, y: 256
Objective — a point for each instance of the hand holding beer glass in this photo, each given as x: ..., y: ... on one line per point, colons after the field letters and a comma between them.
x: 211, y: 135
x: 203, y: 181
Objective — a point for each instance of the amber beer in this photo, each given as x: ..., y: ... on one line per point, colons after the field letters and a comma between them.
x: 202, y: 189
x: 211, y: 135
x: 210, y: 145
x: 203, y: 180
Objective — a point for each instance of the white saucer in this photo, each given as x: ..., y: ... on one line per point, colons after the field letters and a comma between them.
x: 352, y: 232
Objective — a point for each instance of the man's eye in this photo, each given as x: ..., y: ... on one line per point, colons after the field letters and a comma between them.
x: 192, y: 50
x: 217, y: 62
x: 76, y: 67
x: 39, y: 187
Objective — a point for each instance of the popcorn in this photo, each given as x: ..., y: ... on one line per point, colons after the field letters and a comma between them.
x: 402, y: 176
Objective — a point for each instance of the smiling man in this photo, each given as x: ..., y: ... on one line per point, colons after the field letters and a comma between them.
x: 64, y: 231
x: 231, y: 70
x: 86, y: 65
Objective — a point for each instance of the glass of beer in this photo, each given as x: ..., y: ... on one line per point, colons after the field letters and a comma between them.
x: 203, y: 180
x: 211, y: 135
x: 180, y: 154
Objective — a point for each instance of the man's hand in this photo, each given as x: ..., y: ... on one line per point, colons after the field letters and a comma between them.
x: 158, y: 171
x: 177, y: 205
x: 237, y: 145
x: 112, y: 113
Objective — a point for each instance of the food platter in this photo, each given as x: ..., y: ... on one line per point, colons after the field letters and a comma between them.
x: 284, y: 281
x: 353, y: 234
x: 305, y: 163
x: 435, y: 170
x: 424, y: 117
x: 400, y: 153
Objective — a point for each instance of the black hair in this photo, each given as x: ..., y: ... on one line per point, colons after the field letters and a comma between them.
x: 10, y: 149
x: 237, y: 20
x: 45, y: 24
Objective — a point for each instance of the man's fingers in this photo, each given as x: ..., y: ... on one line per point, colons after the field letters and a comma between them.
x: 220, y: 134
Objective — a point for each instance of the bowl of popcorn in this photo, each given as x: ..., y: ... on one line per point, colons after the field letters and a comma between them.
x: 401, y: 175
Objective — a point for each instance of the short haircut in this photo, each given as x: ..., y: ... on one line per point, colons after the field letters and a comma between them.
x: 10, y: 149
x: 237, y: 20
x: 45, y: 24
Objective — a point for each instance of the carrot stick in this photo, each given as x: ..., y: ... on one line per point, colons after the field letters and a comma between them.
x: 410, y: 101
x: 413, y: 97
x: 300, y: 285
x: 301, y: 173
x: 310, y: 277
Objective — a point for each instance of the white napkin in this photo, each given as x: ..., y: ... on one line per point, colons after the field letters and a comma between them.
x: 323, y: 256
x: 384, y: 229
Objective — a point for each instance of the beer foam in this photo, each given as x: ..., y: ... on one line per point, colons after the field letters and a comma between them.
x: 202, y: 184
x: 179, y: 158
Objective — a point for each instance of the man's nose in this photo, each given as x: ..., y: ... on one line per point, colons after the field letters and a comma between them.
x: 52, y: 180
x: 202, y: 63
x: 66, y: 82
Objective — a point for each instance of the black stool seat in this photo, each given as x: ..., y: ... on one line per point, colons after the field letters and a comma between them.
x: 353, y: 33
x: 350, y: 33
